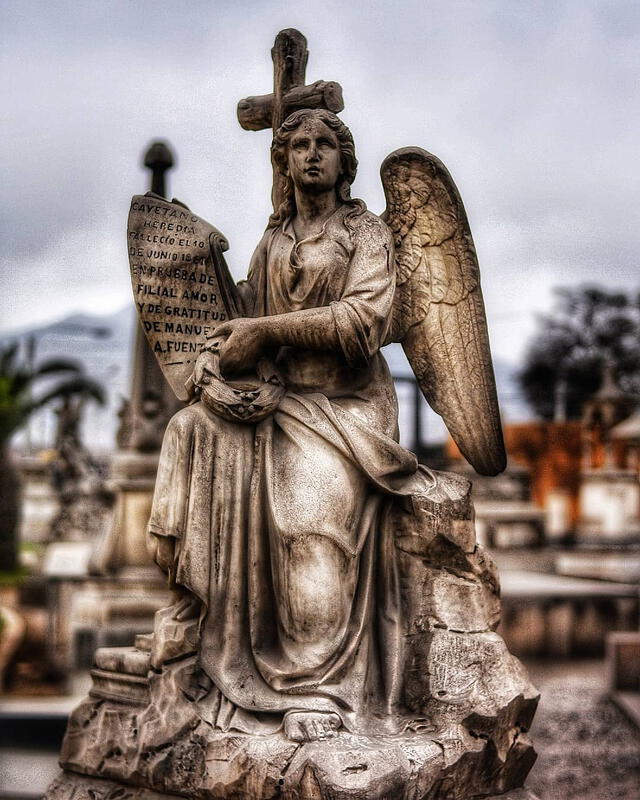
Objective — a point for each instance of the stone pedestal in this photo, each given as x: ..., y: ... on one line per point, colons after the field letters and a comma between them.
x: 139, y: 727
x: 90, y: 612
x: 103, y: 594
x: 133, y: 477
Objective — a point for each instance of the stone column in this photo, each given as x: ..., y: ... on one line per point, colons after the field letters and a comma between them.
x: 152, y: 400
x: 143, y: 422
x: 119, y: 597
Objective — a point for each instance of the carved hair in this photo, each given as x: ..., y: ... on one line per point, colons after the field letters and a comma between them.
x: 349, y: 162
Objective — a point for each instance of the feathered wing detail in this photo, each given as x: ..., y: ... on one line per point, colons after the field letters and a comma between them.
x: 438, y: 313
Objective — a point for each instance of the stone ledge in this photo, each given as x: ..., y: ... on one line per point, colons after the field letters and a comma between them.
x: 629, y: 704
x: 119, y: 687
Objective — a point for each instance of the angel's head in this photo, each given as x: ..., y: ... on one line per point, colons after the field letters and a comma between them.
x: 280, y: 156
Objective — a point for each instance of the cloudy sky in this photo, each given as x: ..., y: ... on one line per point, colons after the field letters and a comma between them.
x: 533, y: 106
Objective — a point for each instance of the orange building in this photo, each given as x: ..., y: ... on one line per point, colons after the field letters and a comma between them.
x: 553, y: 452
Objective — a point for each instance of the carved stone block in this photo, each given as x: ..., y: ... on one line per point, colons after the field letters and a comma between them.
x: 173, y: 639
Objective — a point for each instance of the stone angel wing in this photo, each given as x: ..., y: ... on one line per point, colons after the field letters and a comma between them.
x: 438, y: 313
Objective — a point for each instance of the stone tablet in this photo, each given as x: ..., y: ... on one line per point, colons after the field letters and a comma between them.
x: 181, y: 284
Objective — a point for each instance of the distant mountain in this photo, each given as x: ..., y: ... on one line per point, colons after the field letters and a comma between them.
x: 104, y: 346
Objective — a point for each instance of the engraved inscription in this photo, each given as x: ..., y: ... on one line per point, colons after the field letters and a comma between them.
x: 174, y: 283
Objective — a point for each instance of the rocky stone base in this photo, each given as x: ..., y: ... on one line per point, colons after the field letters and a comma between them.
x: 471, y: 700
x: 75, y: 787
x: 121, y: 742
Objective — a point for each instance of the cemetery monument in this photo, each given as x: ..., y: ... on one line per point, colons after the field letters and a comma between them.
x: 332, y: 633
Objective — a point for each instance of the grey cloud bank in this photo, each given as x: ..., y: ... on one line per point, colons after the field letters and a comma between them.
x: 533, y: 107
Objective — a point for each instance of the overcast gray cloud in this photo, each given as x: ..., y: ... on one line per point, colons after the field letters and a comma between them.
x: 534, y: 107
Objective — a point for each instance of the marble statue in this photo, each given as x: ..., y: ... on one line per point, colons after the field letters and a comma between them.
x: 332, y: 633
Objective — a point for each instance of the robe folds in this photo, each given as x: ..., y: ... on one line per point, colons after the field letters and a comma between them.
x: 281, y: 527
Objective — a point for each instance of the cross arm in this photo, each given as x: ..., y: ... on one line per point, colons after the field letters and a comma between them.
x: 256, y: 113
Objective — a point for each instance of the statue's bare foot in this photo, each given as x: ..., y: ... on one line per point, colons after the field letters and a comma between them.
x: 311, y: 726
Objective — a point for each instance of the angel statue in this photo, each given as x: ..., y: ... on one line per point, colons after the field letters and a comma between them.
x: 333, y: 629
x: 293, y: 510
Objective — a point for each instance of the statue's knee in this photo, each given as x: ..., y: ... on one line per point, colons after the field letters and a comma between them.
x: 319, y: 581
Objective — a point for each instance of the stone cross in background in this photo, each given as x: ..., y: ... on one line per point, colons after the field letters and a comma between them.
x: 152, y: 403
x: 158, y: 159
x: 289, y: 54
x: 144, y: 418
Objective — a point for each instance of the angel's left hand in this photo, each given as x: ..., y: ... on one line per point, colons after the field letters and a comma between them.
x: 244, y: 343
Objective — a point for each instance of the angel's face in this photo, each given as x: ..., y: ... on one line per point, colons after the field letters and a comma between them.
x: 314, y: 160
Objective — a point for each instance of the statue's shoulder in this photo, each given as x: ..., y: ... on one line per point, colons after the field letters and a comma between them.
x: 369, y: 225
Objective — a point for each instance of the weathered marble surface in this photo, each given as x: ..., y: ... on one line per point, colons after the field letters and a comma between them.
x: 333, y: 634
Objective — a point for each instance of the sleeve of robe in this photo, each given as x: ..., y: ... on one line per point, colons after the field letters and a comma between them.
x: 171, y: 494
x: 363, y: 313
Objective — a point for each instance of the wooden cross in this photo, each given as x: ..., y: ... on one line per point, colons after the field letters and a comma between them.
x: 289, y: 55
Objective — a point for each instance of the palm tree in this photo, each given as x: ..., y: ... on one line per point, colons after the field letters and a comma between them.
x: 17, y: 403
